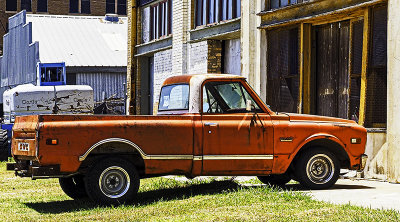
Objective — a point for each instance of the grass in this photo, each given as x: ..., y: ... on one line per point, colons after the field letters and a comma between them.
x: 162, y: 199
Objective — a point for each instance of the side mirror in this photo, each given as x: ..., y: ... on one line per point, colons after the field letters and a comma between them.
x: 248, y: 105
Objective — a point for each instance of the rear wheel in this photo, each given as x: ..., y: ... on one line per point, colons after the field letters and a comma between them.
x: 317, y: 169
x: 112, y: 181
x: 278, y: 179
x: 74, y: 186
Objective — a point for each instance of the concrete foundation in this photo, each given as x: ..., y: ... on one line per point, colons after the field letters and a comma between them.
x: 376, y: 149
x: 393, y: 92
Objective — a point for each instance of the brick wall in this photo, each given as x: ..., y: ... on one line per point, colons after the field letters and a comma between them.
x: 162, y: 70
x: 214, y: 56
x: 180, y: 16
x: 198, y: 54
x: 205, y: 57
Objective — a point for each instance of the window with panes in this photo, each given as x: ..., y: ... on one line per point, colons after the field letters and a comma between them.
x: 79, y: 6
x: 11, y: 5
x: 42, y: 6
x: 26, y: 5
x: 273, y: 4
x: 160, y: 19
x: 116, y: 7
x: 214, y: 11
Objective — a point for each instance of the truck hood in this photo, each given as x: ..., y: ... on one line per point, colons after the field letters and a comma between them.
x: 315, y: 118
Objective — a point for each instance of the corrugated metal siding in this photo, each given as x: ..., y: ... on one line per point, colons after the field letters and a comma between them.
x: 20, y: 55
x: 80, y: 40
x: 109, y: 83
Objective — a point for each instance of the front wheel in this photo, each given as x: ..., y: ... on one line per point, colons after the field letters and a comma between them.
x: 112, y: 181
x: 317, y: 169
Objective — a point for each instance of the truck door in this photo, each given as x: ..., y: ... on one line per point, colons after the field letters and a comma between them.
x: 235, y: 141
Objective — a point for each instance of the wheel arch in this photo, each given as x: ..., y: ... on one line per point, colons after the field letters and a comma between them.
x: 116, y: 147
x: 325, y: 141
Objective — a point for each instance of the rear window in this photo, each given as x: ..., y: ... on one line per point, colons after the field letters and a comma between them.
x: 174, y: 97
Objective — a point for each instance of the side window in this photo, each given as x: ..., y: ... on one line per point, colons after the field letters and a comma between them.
x: 174, y: 97
x: 226, y: 97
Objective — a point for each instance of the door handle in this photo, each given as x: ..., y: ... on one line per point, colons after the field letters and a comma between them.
x: 210, y: 124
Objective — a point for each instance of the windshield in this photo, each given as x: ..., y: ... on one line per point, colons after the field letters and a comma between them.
x: 174, y: 97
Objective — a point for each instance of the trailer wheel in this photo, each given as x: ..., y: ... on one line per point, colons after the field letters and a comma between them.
x: 3, y: 145
x: 317, y: 169
x: 74, y: 186
x: 278, y: 179
x: 112, y: 181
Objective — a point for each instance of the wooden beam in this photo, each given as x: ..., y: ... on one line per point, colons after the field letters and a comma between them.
x: 305, y: 69
x: 132, y: 61
x: 364, y: 70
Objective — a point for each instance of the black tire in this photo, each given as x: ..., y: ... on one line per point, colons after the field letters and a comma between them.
x: 74, y: 186
x: 277, y: 180
x: 112, y: 181
x: 317, y: 169
x: 3, y: 145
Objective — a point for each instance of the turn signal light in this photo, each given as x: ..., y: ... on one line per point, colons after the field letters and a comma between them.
x: 355, y: 140
x: 52, y: 141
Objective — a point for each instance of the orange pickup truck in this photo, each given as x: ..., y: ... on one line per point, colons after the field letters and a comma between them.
x: 207, y: 125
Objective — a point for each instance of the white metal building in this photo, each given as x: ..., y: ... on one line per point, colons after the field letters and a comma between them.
x: 93, y: 49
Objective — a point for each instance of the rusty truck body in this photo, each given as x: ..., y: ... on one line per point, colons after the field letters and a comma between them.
x: 206, y: 125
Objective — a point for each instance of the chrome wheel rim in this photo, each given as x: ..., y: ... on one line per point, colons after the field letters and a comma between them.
x: 114, y: 182
x: 320, y: 169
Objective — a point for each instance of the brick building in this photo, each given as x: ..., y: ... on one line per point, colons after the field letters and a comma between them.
x: 57, y: 7
x: 188, y: 39
x: 319, y: 57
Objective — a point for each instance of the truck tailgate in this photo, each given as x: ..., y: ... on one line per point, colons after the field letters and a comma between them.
x: 24, y: 142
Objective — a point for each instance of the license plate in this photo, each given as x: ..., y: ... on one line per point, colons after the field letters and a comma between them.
x: 23, y: 146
